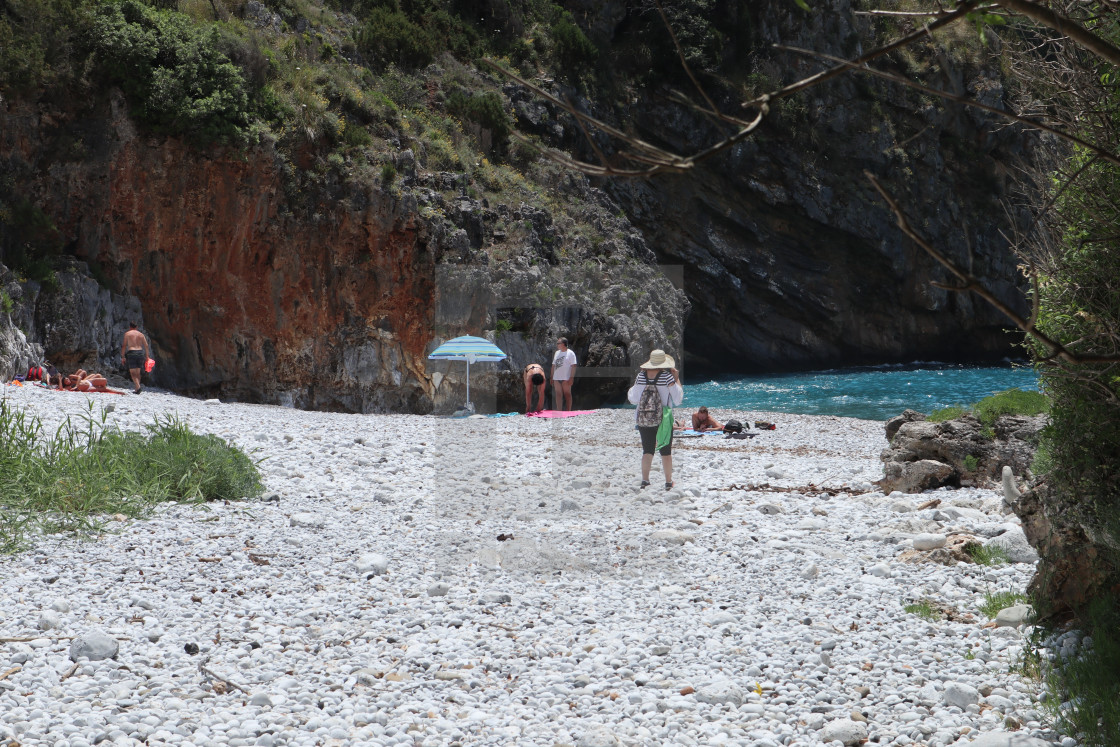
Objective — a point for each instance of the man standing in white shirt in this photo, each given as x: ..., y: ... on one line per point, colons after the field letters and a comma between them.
x: 563, y: 371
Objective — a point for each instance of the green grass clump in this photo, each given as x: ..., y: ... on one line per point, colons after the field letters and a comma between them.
x: 987, y: 554
x: 999, y: 600
x: 68, y: 481
x: 946, y: 413
x: 1087, y: 688
x: 923, y: 609
x: 1010, y: 402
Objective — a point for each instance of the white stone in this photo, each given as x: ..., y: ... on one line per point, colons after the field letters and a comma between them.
x: 598, y: 736
x: 1014, y: 543
x: 494, y: 597
x: 720, y: 692
x: 672, y: 536
x: 94, y: 646
x: 309, y: 520
x: 844, y: 730
x: 960, y: 695
x: 371, y: 563
x: 929, y: 541
x: 880, y: 570
x: 1014, y: 616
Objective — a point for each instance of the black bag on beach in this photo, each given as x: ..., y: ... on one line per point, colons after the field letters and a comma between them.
x: 733, y: 426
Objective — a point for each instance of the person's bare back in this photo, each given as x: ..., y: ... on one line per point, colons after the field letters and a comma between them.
x: 134, y: 354
x: 134, y: 340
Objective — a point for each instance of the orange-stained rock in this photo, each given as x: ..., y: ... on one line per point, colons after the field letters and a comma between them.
x: 244, y: 295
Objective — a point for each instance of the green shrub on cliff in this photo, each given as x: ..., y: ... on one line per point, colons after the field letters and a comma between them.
x: 484, y: 109
x: 36, y: 43
x: 391, y: 38
x: 1013, y: 401
x: 173, y: 72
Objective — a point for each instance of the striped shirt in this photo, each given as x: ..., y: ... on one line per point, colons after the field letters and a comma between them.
x: 671, y: 392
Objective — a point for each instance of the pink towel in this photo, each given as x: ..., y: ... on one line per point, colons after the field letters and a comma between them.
x: 558, y: 413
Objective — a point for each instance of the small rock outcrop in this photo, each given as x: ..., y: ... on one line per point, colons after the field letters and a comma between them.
x: 924, y: 455
x: 907, y: 416
x: 1075, y: 562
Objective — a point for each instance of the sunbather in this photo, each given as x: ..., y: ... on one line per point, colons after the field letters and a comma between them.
x: 702, y: 421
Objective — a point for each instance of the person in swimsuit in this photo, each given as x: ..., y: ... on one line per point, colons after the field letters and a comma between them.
x: 533, y: 376
x: 134, y: 354
x: 702, y: 421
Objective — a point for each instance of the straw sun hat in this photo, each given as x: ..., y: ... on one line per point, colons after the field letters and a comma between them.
x: 658, y: 359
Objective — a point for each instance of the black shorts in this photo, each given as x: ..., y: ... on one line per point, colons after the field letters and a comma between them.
x: 649, y: 441
x: 135, y: 359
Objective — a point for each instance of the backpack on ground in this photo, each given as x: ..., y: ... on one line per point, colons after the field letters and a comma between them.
x: 733, y: 426
x: 649, y: 406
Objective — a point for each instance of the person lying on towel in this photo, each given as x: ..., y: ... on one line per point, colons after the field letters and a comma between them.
x: 702, y: 421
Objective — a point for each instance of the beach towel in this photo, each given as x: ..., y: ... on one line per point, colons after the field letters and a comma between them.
x: 558, y: 413
x: 690, y: 433
x: 91, y: 390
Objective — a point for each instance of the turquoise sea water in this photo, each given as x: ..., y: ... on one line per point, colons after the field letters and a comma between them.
x: 874, y: 393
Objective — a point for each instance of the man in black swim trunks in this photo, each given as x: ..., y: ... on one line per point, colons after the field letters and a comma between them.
x: 134, y: 354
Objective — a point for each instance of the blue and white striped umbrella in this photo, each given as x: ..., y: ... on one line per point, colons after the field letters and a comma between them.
x: 470, y: 349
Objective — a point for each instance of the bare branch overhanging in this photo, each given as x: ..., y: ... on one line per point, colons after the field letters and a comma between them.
x: 1100, y: 152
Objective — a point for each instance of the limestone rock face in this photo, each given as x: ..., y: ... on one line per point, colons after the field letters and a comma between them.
x: 330, y: 299
x: 792, y: 258
x: 79, y: 323
x: 924, y: 455
x: 907, y: 416
x: 16, y: 353
x: 1074, y: 565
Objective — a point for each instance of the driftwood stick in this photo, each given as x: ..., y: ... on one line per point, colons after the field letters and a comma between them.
x: 208, y: 671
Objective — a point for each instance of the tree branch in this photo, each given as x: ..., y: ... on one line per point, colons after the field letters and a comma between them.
x: 963, y: 10
x: 712, y: 109
x: 1065, y: 26
x: 852, y: 65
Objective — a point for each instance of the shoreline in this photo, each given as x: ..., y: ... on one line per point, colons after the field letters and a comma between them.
x: 504, y: 581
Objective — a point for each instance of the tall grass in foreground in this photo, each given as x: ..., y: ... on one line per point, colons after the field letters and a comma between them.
x: 71, y: 480
x: 1084, y: 686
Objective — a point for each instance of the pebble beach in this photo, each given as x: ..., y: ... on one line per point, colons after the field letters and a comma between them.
x: 421, y: 581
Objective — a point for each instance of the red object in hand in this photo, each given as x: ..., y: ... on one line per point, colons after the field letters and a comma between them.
x: 149, y: 365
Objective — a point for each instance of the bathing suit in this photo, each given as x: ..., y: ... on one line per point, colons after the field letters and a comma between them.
x: 135, y: 359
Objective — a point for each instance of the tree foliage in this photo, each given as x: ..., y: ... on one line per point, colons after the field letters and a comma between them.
x: 173, y: 72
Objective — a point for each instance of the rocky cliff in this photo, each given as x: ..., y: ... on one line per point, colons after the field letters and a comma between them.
x: 288, y: 271
x: 791, y: 259
x: 254, y: 291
